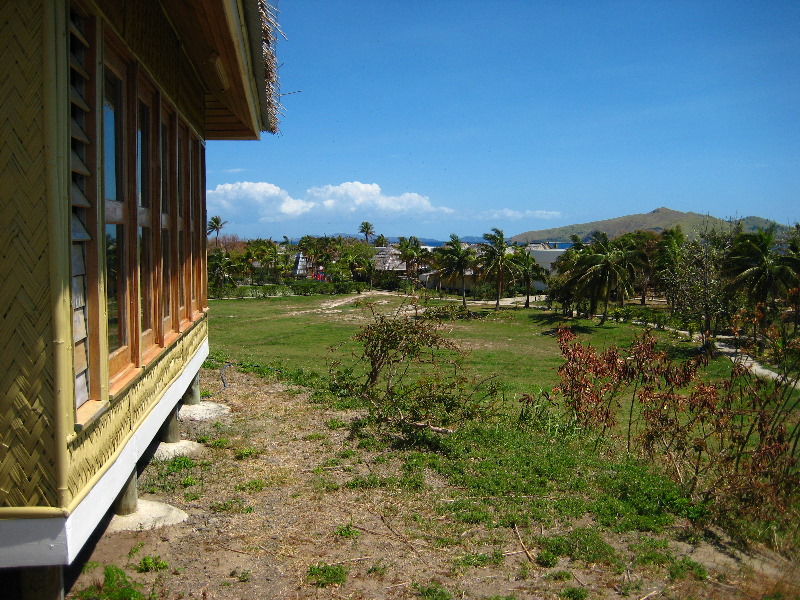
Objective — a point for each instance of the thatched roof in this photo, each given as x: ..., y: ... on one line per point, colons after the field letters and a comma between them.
x: 263, y: 28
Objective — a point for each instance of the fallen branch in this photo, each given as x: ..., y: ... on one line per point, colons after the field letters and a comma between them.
x: 235, y: 550
x: 521, y: 543
x: 397, y: 585
x: 391, y: 537
x: 341, y: 562
x: 429, y: 427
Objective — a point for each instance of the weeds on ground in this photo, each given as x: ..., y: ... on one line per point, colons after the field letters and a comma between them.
x: 115, y: 586
x: 347, y: 531
x: 149, y: 564
x: 167, y: 476
x: 322, y: 574
x: 432, y: 591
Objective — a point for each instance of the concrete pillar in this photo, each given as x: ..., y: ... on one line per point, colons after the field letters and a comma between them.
x: 170, y: 432
x: 192, y: 395
x: 127, y: 501
x: 41, y: 583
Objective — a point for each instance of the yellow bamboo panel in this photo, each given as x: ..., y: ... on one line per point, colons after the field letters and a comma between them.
x: 27, y: 445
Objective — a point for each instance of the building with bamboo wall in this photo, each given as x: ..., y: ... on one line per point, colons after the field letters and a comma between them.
x: 106, y: 108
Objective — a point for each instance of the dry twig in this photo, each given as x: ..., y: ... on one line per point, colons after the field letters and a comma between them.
x: 521, y: 543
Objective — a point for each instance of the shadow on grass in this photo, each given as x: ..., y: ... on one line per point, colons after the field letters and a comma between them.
x: 682, y: 352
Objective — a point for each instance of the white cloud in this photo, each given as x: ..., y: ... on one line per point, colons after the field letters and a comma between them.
x: 255, y: 201
x: 353, y: 196
x: 249, y: 201
x: 509, y: 213
x: 258, y: 208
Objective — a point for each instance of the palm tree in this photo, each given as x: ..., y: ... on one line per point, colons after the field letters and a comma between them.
x: 367, y: 229
x: 753, y: 264
x: 410, y: 253
x: 381, y: 241
x: 602, y: 267
x: 529, y: 270
x: 456, y: 258
x: 495, y: 262
x: 215, y: 224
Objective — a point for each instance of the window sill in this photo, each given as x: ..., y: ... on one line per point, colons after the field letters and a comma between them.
x: 121, y: 379
x: 88, y: 413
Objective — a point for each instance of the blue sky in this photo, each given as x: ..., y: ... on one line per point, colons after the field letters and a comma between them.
x: 431, y: 117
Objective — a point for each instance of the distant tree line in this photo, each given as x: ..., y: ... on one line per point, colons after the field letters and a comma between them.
x: 712, y: 282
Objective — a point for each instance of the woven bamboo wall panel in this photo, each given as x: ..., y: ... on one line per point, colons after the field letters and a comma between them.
x: 168, y: 368
x: 26, y: 369
x: 92, y: 449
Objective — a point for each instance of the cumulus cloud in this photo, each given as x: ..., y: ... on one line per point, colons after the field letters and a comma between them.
x: 353, y: 196
x: 268, y: 203
x: 257, y: 200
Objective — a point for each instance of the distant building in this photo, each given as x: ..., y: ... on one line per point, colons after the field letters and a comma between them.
x: 387, y: 258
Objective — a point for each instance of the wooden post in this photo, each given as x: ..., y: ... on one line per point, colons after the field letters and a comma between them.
x: 41, y: 583
x: 170, y: 432
x: 127, y: 501
x: 192, y: 395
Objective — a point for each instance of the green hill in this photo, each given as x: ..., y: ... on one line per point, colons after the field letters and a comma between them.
x: 657, y: 220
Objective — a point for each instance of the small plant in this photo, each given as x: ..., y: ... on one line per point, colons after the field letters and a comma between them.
x: 189, y: 481
x: 574, y: 593
x: 204, y: 393
x: 559, y: 575
x: 652, y: 552
x: 150, y: 564
x: 220, y: 443
x: 254, y: 485
x: 322, y: 574
x: 115, y: 586
x: 89, y: 565
x: 547, y: 559
x: 432, y: 592
x: 191, y: 496
x: 242, y: 576
x: 135, y: 549
x: 242, y: 453
x: 680, y: 568
x: 377, y: 569
x: 347, y: 531
x: 335, y: 424
x: 315, y: 437
x: 179, y: 463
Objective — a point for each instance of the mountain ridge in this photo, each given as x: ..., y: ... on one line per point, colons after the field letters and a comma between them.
x: 656, y: 220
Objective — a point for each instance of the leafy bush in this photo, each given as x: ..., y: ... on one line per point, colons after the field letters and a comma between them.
x: 413, y: 375
x: 726, y: 444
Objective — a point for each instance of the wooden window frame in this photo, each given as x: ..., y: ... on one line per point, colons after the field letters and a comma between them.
x: 109, y: 370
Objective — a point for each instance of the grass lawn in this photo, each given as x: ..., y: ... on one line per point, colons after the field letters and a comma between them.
x: 303, y: 333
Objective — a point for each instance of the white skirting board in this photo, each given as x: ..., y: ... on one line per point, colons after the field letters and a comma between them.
x: 57, y: 541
